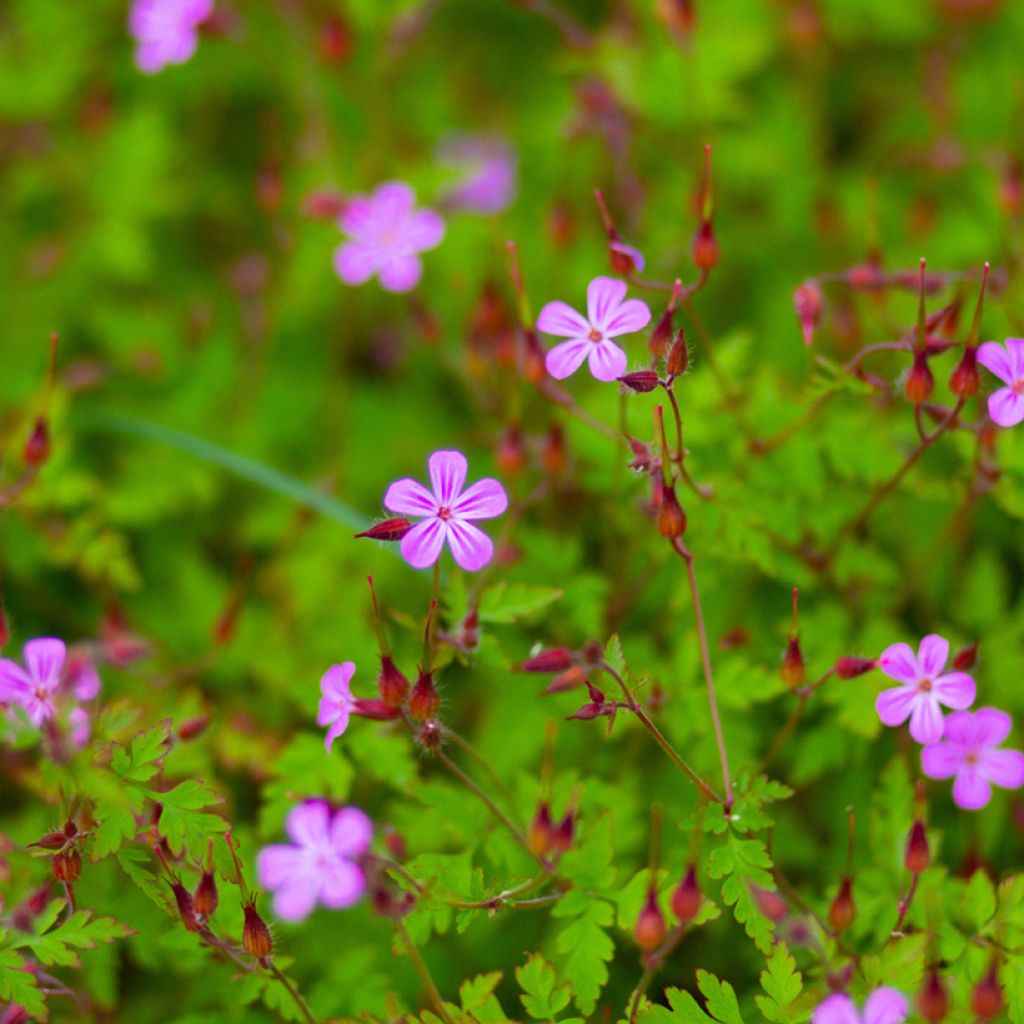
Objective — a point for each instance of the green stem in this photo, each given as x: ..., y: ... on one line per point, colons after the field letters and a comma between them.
x: 301, y: 1003
x: 423, y: 971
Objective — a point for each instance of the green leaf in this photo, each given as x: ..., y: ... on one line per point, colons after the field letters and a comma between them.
x: 752, y: 795
x: 979, y: 903
x: 589, y: 864
x: 478, y: 1000
x: 721, y: 999
x: 742, y: 863
x: 505, y: 603
x: 783, y: 984
x: 18, y: 985
x: 138, y: 763
x: 542, y: 996
x: 135, y: 862
x: 80, y: 931
x: 587, y: 945
x: 184, y: 822
x: 900, y: 964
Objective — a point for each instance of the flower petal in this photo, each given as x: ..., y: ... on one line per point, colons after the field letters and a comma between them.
x: 836, y: 1009
x: 971, y: 790
x: 306, y: 824
x: 14, y: 680
x: 471, y: 547
x: 483, y: 500
x: 341, y: 884
x: 421, y: 546
x: 886, y: 1006
x: 959, y: 729
x: 565, y: 359
x: 633, y: 315
x: 409, y: 498
x: 604, y: 296
x: 400, y: 271
x: 941, y: 760
x: 275, y: 865
x: 996, y: 358
x: 44, y: 659
x: 296, y: 900
x: 447, y: 475
x: 955, y: 689
x: 1006, y: 407
x: 355, y: 263
x: 338, y: 727
x: 988, y: 727
x: 926, y: 720
x: 1015, y: 346
x: 1003, y: 767
x: 895, y: 706
x: 393, y: 202
x: 898, y: 662
x: 561, y: 320
x: 423, y: 230
x: 336, y: 681
x: 931, y: 655
x: 351, y: 832
x: 607, y: 360
x: 359, y: 219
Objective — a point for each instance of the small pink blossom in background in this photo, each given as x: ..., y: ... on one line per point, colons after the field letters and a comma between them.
x: 969, y: 751
x: 166, y: 31
x: 883, y: 1006
x: 924, y: 688
x: 1005, y: 406
x: 337, y: 703
x: 321, y: 865
x: 449, y: 511
x: 488, y: 169
x: 80, y: 675
x: 35, y: 685
x: 386, y: 234
x: 80, y: 726
x: 609, y: 314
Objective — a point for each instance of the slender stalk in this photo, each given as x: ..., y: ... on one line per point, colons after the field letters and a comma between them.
x: 465, y: 745
x: 423, y: 971
x: 301, y: 1003
x: 652, y: 966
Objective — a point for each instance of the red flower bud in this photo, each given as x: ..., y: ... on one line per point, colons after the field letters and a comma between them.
x: 793, y: 671
x: 186, y: 906
x: 511, y: 455
x: 193, y: 727
x: 37, y: 447
x: 650, y: 925
x: 686, y: 897
x: 388, y: 529
x: 588, y: 712
x: 808, y: 303
x: 917, y: 856
x: 671, y: 517
x: 567, y: 680
x: 850, y: 668
x: 205, y: 899
x: 561, y: 838
x: 391, y: 682
x: 624, y: 259
x: 964, y: 380
x: 705, y: 247
x: 539, y: 839
x: 987, y: 996
x: 920, y: 383
x: 256, y: 940
x: 553, y: 454
x: 965, y: 658
x: 678, y: 356
x: 424, y: 700
x: 534, y: 364
x: 770, y: 903
x: 51, y: 841
x: 640, y: 381
x: 933, y: 999
x: 378, y: 710
x: 843, y: 910
x: 556, y: 659
x: 661, y: 335
x: 67, y: 865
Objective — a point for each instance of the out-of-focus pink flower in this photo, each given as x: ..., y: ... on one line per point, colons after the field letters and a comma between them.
x: 808, y: 302
x: 80, y: 726
x: 166, y: 31
x: 1005, y: 406
x: 387, y: 232
x: 337, y: 702
x: 34, y: 686
x: 969, y: 751
x: 321, y: 867
x: 883, y: 1006
x: 449, y: 511
x: 924, y: 688
x: 609, y: 314
x: 80, y: 675
x: 488, y: 167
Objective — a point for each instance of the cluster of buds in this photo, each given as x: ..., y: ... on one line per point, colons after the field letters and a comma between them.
x: 569, y: 668
x: 63, y: 843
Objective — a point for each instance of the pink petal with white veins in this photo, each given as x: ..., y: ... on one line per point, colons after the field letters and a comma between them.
x: 941, y: 760
x: 400, y: 272
x: 989, y: 727
x: 409, y: 497
x: 926, y: 720
x: 355, y: 263
x: 483, y: 500
x: 1005, y: 407
x: 447, y: 475
x: 604, y: 295
x: 564, y: 360
x: 633, y: 315
x: 955, y: 689
x: 423, y: 230
x: 971, y: 790
x: 276, y: 864
x: 351, y: 832
x: 836, y: 1009
x: 44, y: 659
x: 307, y: 823
x: 296, y: 900
x: 471, y: 548
x: 997, y: 359
x: 886, y: 1006
x: 335, y: 682
x: 561, y: 320
x: 421, y: 546
x: 898, y: 662
x: 931, y: 655
x: 607, y: 361
x: 894, y: 706
x: 341, y: 885
x: 1003, y: 767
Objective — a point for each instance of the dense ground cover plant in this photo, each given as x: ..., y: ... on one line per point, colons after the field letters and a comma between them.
x: 686, y: 687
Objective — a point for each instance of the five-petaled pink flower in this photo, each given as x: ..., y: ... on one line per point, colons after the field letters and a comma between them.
x: 337, y: 702
x: 321, y: 866
x: 449, y: 511
x: 883, y: 1006
x: 924, y: 688
x: 969, y: 751
x: 488, y: 167
x: 609, y: 314
x: 387, y: 232
x: 1005, y: 406
x: 166, y: 31
x: 34, y: 686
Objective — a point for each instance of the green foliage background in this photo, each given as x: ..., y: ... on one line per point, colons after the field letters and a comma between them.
x: 157, y: 224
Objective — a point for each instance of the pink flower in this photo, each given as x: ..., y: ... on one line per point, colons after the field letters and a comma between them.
x: 1005, y: 406
x: 34, y: 686
x: 608, y: 316
x: 924, y: 688
x: 883, y: 1006
x: 387, y: 232
x: 80, y: 675
x: 488, y: 166
x: 320, y: 867
x: 166, y: 31
x: 449, y: 511
x: 337, y: 702
x: 80, y: 726
x: 968, y: 751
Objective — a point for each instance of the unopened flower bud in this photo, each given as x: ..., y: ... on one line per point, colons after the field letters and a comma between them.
x: 640, y: 381
x: 193, y: 727
x: 770, y: 903
x: 920, y: 383
x: 205, y: 898
x: 678, y: 357
x: 378, y: 710
x: 37, y: 447
x: 705, y: 247
x: 964, y: 380
x: 624, y: 259
x: 391, y: 682
x: 987, y: 996
x: 917, y: 856
x: 850, y: 668
x: 388, y: 529
x: 511, y: 456
x: 51, y: 841
x: 256, y: 940
x: 539, y: 839
x: 556, y: 659
x: 808, y: 303
x: 534, y: 365
x: 424, y: 700
x: 186, y: 906
x: 562, y: 836
x: 567, y: 680
x: 650, y: 925
x: 67, y: 865
x: 686, y: 897
x: 671, y: 517
x: 933, y: 999
x: 965, y: 658
x: 661, y: 335
x: 793, y: 671
x: 843, y: 910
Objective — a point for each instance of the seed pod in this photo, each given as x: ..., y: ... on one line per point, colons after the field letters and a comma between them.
x: 917, y: 855
x: 556, y: 659
x: 705, y: 247
x: 387, y: 529
x: 186, y: 906
x: 987, y: 996
x: 964, y: 380
x: 539, y: 839
x: 793, y: 671
x: 256, y: 940
x: 650, y: 928
x: 686, y: 897
x: 770, y: 903
x: 678, y: 358
x: 37, y: 447
x: 671, y: 517
x: 933, y: 999
x: 843, y: 910
x: 67, y: 865
x: 391, y: 682
x: 640, y: 381
x: 424, y: 700
x: 850, y: 668
x: 561, y: 838
x: 920, y: 383
x: 205, y: 899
